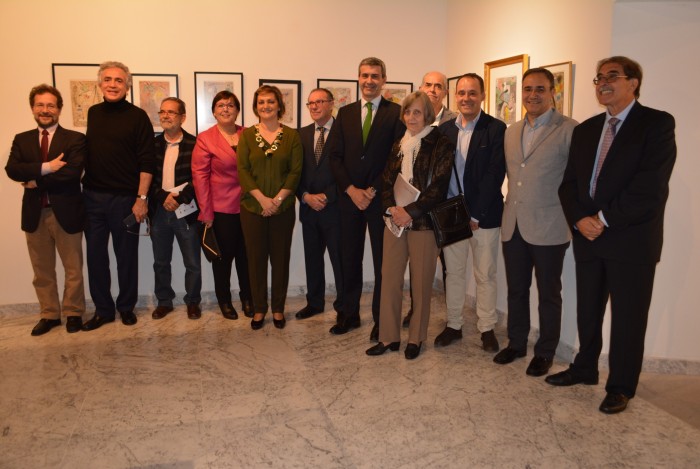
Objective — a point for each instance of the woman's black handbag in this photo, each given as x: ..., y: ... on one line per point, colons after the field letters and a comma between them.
x: 451, y: 218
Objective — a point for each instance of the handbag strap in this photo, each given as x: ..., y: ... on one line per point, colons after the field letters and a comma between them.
x: 454, y: 170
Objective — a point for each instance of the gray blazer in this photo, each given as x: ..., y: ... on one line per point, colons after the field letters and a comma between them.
x: 533, y: 183
x: 447, y: 114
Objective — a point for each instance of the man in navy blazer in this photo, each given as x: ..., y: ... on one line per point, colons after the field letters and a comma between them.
x: 480, y: 164
x: 318, y: 206
x: 360, y: 142
x: 614, y: 194
x: 48, y: 161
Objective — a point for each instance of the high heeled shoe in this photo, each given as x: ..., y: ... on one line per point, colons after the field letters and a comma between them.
x: 279, y: 323
x: 412, y: 351
x: 380, y: 348
x: 255, y: 325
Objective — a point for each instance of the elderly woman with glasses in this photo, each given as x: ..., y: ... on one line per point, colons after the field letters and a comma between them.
x: 270, y: 167
x: 422, y: 158
x: 215, y: 175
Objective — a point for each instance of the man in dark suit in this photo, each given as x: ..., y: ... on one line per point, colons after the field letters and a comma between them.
x: 614, y: 194
x: 480, y: 164
x: 360, y: 141
x: 174, y: 212
x: 318, y: 211
x: 48, y: 161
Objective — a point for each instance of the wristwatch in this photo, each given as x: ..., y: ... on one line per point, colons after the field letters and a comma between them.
x: 143, y: 197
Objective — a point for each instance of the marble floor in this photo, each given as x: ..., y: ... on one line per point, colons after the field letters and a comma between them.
x: 213, y: 393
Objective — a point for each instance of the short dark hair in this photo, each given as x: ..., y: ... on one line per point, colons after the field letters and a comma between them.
x: 543, y: 71
x: 269, y: 89
x: 473, y: 76
x: 631, y: 68
x: 329, y: 95
x: 43, y: 89
x: 180, y: 103
x: 424, y: 100
x: 225, y: 95
x: 373, y: 62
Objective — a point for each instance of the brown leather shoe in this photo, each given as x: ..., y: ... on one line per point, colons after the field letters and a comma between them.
x: 194, y: 311
x: 614, y: 403
x: 489, y: 342
x: 161, y: 311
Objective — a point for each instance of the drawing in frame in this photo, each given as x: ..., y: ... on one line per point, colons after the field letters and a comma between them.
x: 344, y: 91
x: 503, y: 80
x: 206, y: 85
x: 452, y: 92
x: 80, y: 90
x: 149, y: 89
x: 396, y: 91
x: 563, y: 86
x: 291, y: 94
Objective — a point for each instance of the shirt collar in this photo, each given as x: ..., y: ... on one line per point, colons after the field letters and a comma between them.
x: 51, y: 130
x: 540, y: 120
x: 375, y: 102
x: 173, y: 142
x: 470, y: 125
x: 622, y: 115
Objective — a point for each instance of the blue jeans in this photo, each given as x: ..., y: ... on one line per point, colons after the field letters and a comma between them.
x: 164, y: 227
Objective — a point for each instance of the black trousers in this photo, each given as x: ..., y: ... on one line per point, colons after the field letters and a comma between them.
x: 229, y: 235
x: 354, y: 222
x: 520, y: 258
x: 321, y: 231
x: 629, y: 287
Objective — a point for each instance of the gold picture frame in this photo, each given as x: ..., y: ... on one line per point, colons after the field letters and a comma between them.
x: 503, y: 79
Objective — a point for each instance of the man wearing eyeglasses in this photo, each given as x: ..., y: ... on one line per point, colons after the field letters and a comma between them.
x: 48, y: 161
x: 173, y: 211
x: 534, y: 232
x: 614, y: 194
x: 318, y: 211
x: 118, y: 172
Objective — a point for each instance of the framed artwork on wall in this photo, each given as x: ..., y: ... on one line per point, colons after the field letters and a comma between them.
x: 79, y: 88
x: 206, y: 85
x: 291, y: 94
x: 149, y: 89
x: 451, y: 92
x: 503, y: 80
x: 344, y: 91
x: 396, y: 91
x: 563, y: 86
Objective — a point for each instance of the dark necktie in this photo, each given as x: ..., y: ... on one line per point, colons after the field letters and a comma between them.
x: 319, y: 144
x: 44, y: 158
x: 367, y: 123
x: 605, y: 147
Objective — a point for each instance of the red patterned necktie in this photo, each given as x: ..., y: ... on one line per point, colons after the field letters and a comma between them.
x: 45, y: 158
x: 607, y: 142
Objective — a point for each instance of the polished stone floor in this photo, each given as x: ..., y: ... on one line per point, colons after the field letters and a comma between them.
x: 213, y: 393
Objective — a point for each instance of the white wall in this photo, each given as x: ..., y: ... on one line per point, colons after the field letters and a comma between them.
x: 308, y: 39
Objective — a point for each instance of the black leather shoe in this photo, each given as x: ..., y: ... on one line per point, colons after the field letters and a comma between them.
x: 489, y: 342
x: 194, y: 311
x: 569, y: 378
x: 74, y: 324
x: 96, y: 322
x: 161, y: 311
x: 247, y: 307
x: 228, y: 311
x: 380, y: 348
x: 279, y: 323
x: 614, y: 403
x: 407, y: 320
x: 507, y: 355
x: 412, y: 351
x: 306, y: 312
x: 539, y: 366
x: 343, y: 326
x: 45, y: 325
x: 448, y: 336
x: 255, y: 325
x: 374, y: 334
x: 128, y: 318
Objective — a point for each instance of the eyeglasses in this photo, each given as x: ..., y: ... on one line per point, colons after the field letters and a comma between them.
x: 48, y: 107
x: 138, y: 230
x: 169, y: 113
x: 223, y: 106
x: 609, y: 78
x: 318, y: 102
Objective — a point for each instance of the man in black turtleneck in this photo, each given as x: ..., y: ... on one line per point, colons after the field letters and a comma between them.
x: 118, y: 171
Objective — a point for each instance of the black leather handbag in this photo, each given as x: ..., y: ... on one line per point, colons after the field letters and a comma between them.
x: 451, y: 218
